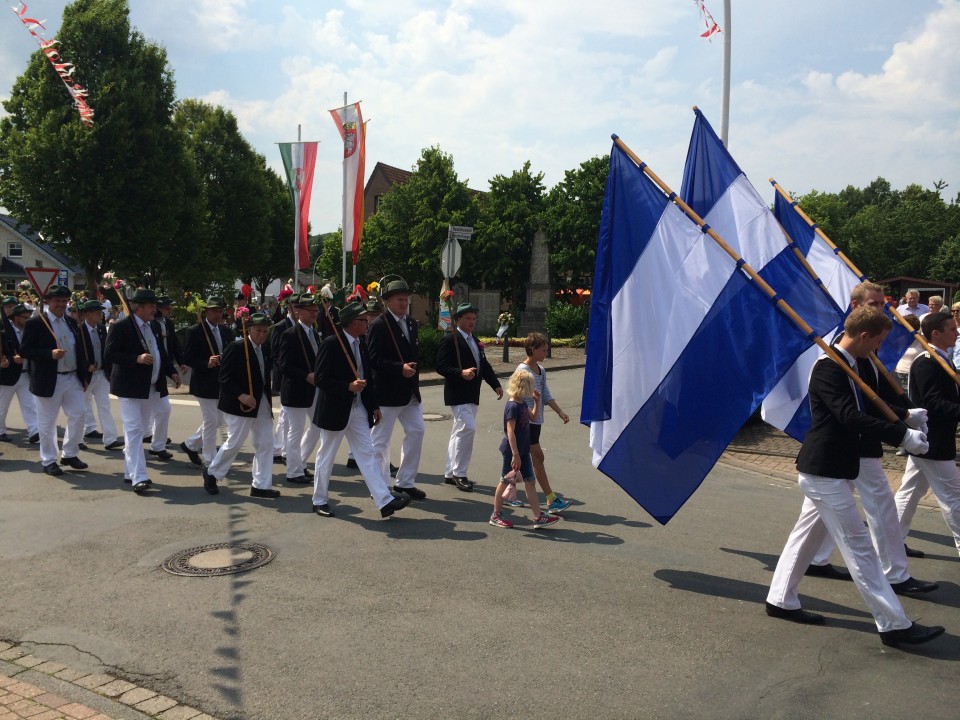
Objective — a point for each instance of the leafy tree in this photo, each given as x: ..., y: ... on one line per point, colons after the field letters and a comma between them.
x: 573, y: 209
x: 407, y: 234
x: 278, y: 260
x: 113, y: 196
x: 509, y: 216
x: 328, y: 251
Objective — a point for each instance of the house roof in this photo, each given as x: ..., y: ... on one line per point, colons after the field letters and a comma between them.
x: 9, y: 267
x: 394, y: 175
x: 27, y: 233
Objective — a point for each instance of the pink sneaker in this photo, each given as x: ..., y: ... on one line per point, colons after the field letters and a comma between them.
x: 544, y: 521
x: 497, y: 521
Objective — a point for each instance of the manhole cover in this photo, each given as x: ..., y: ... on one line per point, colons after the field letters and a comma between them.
x: 219, y: 559
x: 435, y: 417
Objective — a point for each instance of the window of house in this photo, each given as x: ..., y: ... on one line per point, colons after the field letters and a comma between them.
x: 14, y: 249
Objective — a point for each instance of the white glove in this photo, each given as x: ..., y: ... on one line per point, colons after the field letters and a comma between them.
x: 915, y: 442
x: 916, y: 418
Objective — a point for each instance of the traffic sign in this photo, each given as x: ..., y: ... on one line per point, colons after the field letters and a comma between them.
x: 459, y: 232
x: 62, y: 278
x: 450, y: 258
x: 41, y: 278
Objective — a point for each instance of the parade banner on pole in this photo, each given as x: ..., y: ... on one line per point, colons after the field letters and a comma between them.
x: 63, y: 69
x: 349, y: 122
x: 299, y: 161
x: 666, y: 391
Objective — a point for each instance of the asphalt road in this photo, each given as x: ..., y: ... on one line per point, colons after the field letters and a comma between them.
x: 436, y: 614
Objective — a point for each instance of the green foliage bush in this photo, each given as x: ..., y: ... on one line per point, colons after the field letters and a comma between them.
x: 565, y: 320
x: 429, y: 340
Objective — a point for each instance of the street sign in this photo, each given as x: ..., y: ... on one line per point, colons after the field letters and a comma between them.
x: 62, y: 278
x: 459, y: 232
x: 450, y: 258
x: 41, y: 278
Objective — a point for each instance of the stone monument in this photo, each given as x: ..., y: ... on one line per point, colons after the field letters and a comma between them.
x: 534, y: 318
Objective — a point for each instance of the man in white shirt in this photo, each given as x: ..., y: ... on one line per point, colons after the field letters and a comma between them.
x: 913, y: 305
x: 98, y: 390
x: 14, y: 380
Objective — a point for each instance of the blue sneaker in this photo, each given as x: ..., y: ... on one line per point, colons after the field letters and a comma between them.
x: 514, y: 503
x: 558, y: 505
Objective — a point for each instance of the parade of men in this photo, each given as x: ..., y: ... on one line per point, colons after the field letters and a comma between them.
x: 97, y: 395
x: 394, y: 362
x: 138, y: 377
x: 245, y: 399
x: 58, y: 377
x: 297, y: 356
x: 464, y: 367
x: 204, y: 347
x: 14, y: 379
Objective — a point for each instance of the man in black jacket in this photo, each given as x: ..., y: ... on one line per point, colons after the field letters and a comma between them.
x: 298, y: 348
x: 205, y: 343
x: 937, y: 390
x: 461, y: 362
x: 14, y: 379
x: 828, y: 461
x: 94, y: 334
x: 138, y: 377
x: 276, y: 380
x: 245, y: 399
x: 394, y: 354
x: 347, y: 407
x: 58, y: 376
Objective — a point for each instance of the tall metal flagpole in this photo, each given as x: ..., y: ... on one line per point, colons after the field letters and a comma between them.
x: 725, y: 81
x: 343, y: 222
x: 296, y: 221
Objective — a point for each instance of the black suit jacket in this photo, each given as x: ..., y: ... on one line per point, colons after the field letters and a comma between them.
x: 832, y: 445
x: 935, y: 390
x: 389, y: 350
x: 9, y: 346
x: 101, y: 331
x: 870, y: 445
x: 456, y: 390
x: 333, y: 377
x: 298, y: 360
x: 204, y: 381
x: 276, y: 331
x: 128, y: 378
x: 234, y: 380
x: 37, y: 345
x: 169, y: 331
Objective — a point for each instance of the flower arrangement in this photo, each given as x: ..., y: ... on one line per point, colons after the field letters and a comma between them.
x: 505, y: 318
x: 195, y: 304
x: 446, y: 295
x: 242, y: 313
x: 24, y: 286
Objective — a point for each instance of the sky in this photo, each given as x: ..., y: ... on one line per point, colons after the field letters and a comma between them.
x: 824, y: 94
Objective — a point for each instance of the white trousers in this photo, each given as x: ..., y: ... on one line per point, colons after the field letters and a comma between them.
x: 136, y: 415
x: 204, y: 440
x: 411, y: 420
x: 357, y: 434
x: 260, y: 429
x: 300, y: 443
x: 280, y: 432
x: 876, y: 497
x: 98, y: 394
x: 28, y: 403
x: 829, y: 507
x: 68, y: 394
x: 944, y: 478
x: 460, y: 447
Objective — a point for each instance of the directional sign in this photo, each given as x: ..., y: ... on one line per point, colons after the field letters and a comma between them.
x: 42, y: 278
x: 450, y: 258
x: 62, y: 278
x: 459, y: 232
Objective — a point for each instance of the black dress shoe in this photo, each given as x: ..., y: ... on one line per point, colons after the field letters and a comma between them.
x: 352, y: 464
x: 828, y: 571
x: 323, y: 510
x: 413, y: 492
x: 299, y: 480
x: 74, y: 462
x: 264, y: 493
x: 34, y: 439
x: 147, y: 439
x: 115, y: 445
x: 798, y: 616
x: 913, y: 553
x: 210, y: 483
x: 393, y: 506
x: 5, y: 438
x: 462, y: 483
x: 279, y: 460
x: 141, y: 487
x: 912, y: 586
x: 94, y: 434
x: 82, y: 446
x: 393, y: 470
x: 913, y: 635
x: 53, y: 469
x: 127, y: 481
x: 307, y: 473
x: 192, y: 455
x: 161, y: 454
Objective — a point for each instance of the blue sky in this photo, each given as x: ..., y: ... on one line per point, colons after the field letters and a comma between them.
x: 824, y: 93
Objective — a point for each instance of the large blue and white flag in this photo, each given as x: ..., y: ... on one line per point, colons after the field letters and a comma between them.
x: 683, y: 346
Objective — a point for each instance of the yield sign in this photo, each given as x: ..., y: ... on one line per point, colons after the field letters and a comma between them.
x: 42, y: 278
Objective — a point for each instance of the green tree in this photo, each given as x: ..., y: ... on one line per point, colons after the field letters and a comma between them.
x: 406, y: 235
x: 509, y: 215
x: 113, y: 196
x: 573, y: 209
x: 277, y: 262
x: 327, y: 251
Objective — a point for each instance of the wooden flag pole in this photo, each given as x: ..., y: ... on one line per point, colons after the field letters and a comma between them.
x: 246, y: 354
x: 781, y: 303
x: 346, y: 353
x: 893, y: 311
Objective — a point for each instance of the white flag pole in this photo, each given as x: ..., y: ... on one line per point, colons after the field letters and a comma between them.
x: 296, y: 211
x: 343, y: 221
x: 725, y: 82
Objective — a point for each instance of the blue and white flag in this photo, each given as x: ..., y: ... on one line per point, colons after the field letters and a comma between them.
x: 683, y: 346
